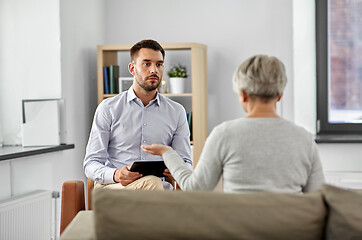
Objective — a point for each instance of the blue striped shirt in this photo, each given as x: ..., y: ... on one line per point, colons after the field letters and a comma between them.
x: 122, y: 124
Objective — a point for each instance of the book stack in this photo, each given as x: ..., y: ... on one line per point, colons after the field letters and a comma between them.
x: 110, y: 79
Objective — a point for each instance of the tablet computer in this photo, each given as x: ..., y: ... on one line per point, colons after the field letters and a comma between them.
x: 155, y: 168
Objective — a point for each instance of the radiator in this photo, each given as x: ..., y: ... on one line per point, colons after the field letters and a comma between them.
x: 29, y: 216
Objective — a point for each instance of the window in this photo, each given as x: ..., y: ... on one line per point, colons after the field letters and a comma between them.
x: 339, y: 68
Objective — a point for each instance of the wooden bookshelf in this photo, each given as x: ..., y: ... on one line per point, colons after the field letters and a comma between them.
x: 107, y: 55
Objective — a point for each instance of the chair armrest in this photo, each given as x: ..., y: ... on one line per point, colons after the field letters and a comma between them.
x: 90, y: 186
x: 72, y: 202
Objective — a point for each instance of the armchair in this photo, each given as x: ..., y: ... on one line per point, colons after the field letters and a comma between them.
x: 73, y: 200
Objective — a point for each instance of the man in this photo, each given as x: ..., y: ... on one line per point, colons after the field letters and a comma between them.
x: 138, y: 116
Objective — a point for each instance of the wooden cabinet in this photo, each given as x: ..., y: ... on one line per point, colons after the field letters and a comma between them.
x: 197, y: 97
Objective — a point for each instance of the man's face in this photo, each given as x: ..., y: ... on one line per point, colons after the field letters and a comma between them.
x: 147, y: 69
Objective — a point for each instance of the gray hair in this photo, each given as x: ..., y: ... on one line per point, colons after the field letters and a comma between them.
x: 260, y: 76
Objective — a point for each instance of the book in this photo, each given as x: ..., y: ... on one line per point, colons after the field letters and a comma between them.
x: 106, y: 80
x: 113, y: 79
x: 189, y: 121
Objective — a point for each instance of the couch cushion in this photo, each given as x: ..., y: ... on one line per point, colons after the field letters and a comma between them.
x: 345, y: 213
x: 207, y: 215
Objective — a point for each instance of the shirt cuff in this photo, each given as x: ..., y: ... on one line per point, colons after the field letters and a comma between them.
x: 108, y: 175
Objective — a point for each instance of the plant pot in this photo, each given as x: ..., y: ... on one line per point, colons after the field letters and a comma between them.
x: 177, y: 84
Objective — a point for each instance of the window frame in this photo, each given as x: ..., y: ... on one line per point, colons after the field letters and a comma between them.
x: 322, y: 61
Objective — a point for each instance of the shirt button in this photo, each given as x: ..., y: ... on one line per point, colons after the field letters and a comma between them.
x: 144, y: 124
x: 144, y: 141
x: 143, y: 158
x: 144, y: 108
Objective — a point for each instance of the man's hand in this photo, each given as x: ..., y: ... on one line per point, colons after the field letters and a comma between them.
x: 156, y: 149
x: 167, y: 173
x: 124, y: 176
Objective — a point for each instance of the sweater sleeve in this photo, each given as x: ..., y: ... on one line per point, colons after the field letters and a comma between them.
x: 316, y: 177
x: 207, y: 172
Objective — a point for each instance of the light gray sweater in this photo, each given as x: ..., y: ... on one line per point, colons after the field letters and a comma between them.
x: 253, y: 154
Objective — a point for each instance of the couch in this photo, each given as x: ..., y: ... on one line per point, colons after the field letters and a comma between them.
x: 332, y: 213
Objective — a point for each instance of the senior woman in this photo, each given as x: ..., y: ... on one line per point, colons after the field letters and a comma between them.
x: 261, y: 152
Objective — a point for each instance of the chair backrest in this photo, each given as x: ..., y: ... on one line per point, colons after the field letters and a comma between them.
x: 72, y: 202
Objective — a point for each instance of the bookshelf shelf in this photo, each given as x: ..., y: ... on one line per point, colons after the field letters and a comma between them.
x: 109, y: 54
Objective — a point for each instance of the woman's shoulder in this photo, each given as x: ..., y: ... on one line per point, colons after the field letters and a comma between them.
x: 231, y: 125
x: 295, y: 127
x: 279, y: 124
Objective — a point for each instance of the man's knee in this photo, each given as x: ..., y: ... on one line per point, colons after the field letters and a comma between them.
x: 145, y: 183
x: 150, y: 183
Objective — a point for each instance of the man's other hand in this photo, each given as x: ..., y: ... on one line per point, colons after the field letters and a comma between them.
x: 124, y: 176
x: 167, y: 173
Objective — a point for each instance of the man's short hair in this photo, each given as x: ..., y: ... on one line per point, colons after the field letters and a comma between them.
x: 148, y: 43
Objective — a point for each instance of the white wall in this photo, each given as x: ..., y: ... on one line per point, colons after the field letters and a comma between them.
x: 48, y: 50
x: 233, y: 30
x: 29, y: 69
x: 35, y: 65
x: 29, y: 59
x: 304, y: 57
x: 80, y: 35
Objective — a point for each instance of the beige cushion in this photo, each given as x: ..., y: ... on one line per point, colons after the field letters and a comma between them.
x: 80, y: 228
x: 206, y: 215
x: 345, y: 213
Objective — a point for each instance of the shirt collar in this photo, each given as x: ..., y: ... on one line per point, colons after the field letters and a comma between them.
x: 131, y: 96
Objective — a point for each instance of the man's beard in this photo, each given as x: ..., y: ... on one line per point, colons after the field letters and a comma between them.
x: 146, y: 87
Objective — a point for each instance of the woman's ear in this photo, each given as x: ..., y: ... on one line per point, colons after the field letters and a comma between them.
x: 244, y: 96
x: 131, y: 68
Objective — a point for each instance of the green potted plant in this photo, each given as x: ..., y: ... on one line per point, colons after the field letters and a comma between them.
x: 177, y: 75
